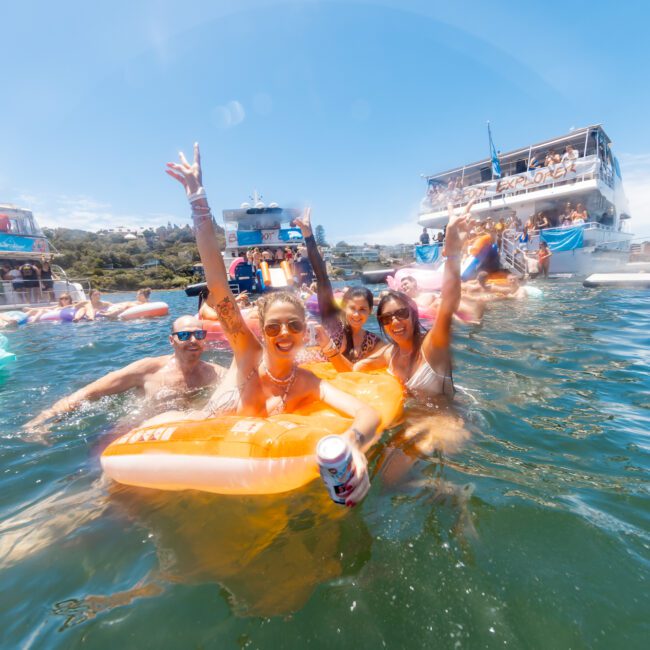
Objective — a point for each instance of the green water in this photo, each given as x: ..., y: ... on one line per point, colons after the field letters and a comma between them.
x: 535, y: 535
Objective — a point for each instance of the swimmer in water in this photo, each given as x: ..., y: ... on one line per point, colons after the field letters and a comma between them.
x: 94, y: 308
x: 264, y: 378
x: 155, y: 378
x: 342, y: 339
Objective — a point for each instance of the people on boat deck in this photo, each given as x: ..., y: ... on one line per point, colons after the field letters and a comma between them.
x: 544, y: 258
x: 424, y: 237
x: 47, y: 283
x: 579, y: 215
x: 156, y: 378
x: 343, y: 337
x: 422, y: 360
x: 264, y: 378
x: 570, y: 154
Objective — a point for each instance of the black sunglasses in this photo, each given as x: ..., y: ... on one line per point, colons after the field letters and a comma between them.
x: 404, y: 313
x: 294, y: 326
x: 199, y: 335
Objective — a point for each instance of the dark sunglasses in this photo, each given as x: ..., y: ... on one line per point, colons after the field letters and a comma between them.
x: 199, y: 335
x: 294, y: 326
x: 401, y: 314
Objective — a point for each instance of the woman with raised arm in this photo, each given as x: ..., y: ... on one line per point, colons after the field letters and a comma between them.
x: 421, y: 360
x: 343, y: 339
x: 264, y: 378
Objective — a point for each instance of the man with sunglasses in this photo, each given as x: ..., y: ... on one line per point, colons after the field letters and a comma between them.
x: 161, y: 379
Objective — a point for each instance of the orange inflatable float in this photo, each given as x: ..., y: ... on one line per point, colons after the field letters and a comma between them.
x: 246, y: 455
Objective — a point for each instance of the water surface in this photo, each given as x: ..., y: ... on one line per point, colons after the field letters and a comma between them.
x: 535, y: 535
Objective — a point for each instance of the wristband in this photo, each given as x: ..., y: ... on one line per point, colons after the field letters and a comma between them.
x: 199, y: 194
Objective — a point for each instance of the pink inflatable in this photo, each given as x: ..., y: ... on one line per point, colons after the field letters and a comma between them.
x: 235, y: 263
x: 427, y: 279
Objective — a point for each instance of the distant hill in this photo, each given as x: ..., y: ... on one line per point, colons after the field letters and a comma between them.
x: 161, y: 259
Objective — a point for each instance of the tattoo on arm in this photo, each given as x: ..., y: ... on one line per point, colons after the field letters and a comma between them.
x: 230, y: 317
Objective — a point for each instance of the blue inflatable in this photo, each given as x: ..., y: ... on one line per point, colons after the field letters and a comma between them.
x: 5, y: 357
x: 19, y: 316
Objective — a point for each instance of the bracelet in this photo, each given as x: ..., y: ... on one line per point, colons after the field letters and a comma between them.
x: 199, y: 194
x: 359, y: 438
x: 330, y: 347
x: 331, y: 356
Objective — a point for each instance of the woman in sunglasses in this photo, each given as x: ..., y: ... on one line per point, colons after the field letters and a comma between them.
x: 264, y: 378
x: 421, y: 360
x: 342, y: 338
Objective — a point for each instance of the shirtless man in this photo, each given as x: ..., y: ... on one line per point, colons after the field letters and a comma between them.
x: 481, y: 291
x: 177, y: 373
x: 409, y: 286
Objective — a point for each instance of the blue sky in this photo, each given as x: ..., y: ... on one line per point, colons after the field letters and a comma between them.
x: 338, y: 104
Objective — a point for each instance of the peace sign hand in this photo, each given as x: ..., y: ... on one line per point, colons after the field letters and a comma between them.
x: 190, y: 176
x: 304, y: 222
x: 457, y: 229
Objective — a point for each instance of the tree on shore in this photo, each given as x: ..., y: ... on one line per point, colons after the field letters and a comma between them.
x: 319, y: 235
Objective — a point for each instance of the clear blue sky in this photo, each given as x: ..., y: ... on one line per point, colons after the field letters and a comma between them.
x: 339, y: 104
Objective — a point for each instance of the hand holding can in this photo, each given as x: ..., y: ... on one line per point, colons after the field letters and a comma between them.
x: 344, y: 470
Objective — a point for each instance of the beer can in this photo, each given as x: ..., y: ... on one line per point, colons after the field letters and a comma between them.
x: 335, y: 462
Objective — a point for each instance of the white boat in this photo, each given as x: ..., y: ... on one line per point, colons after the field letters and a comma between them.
x: 588, y: 173
x: 21, y: 241
x: 619, y: 280
x: 265, y: 227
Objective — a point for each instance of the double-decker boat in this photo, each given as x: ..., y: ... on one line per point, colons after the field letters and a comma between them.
x: 265, y: 228
x: 22, y: 243
x: 546, y: 182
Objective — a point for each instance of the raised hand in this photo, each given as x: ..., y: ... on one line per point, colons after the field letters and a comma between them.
x: 304, y: 222
x: 457, y: 229
x: 190, y: 176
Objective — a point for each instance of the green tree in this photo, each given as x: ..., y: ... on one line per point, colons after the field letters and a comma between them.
x: 319, y: 235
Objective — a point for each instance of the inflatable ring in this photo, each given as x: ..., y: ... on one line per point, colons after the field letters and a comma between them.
x: 311, y: 304
x: 65, y: 314
x: 19, y: 316
x: 145, y: 310
x: 245, y: 455
x: 215, y: 331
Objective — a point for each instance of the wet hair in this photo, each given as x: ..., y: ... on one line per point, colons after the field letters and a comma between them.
x: 418, y: 330
x: 144, y: 292
x: 482, y: 277
x: 279, y: 296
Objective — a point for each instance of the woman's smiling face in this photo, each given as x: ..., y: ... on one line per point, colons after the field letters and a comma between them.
x: 357, y: 312
x: 286, y: 318
x: 399, y: 329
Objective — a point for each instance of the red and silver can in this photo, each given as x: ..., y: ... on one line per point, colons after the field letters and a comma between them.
x: 335, y: 462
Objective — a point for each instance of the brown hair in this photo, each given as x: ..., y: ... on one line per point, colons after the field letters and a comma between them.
x: 145, y: 292
x: 279, y: 296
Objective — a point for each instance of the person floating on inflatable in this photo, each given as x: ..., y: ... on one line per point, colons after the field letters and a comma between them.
x: 264, y: 378
x: 343, y: 339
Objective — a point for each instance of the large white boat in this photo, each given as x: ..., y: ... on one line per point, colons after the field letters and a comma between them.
x: 585, y: 172
x: 22, y: 241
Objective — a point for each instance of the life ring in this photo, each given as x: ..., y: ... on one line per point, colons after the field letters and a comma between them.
x: 245, y: 455
x: 145, y: 310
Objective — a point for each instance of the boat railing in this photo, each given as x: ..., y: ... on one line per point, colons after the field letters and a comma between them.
x: 512, y: 253
x: 582, y: 169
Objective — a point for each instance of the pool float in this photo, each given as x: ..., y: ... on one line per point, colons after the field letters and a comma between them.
x: 215, y: 331
x: 5, y: 357
x: 478, y: 251
x: 233, y: 265
x: 65, y: 314
x: 245, y: 455
x: 533, y: 292
x: 145, y: 310
x: 19, y: 316
x: 311, y: 304
x: 427, y: 279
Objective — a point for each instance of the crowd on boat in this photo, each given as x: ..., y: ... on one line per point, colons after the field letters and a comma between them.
x: 31, y: 280
x: 266, y: 376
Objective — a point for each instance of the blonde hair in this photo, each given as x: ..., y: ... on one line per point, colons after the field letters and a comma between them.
x: 279, y: 296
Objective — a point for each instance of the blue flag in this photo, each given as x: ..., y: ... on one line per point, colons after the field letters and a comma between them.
x: 496, y: 165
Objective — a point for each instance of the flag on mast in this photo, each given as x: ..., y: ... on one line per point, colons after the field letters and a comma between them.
x: 496, y: 165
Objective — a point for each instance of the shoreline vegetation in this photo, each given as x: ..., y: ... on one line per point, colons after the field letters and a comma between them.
x: 162, y: 258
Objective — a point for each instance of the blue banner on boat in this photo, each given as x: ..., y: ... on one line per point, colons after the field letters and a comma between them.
x: 249, y: 237
x: 290, y: 234
x: 427, y: 254
x: 21, y: 244
x: 563, y: 239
